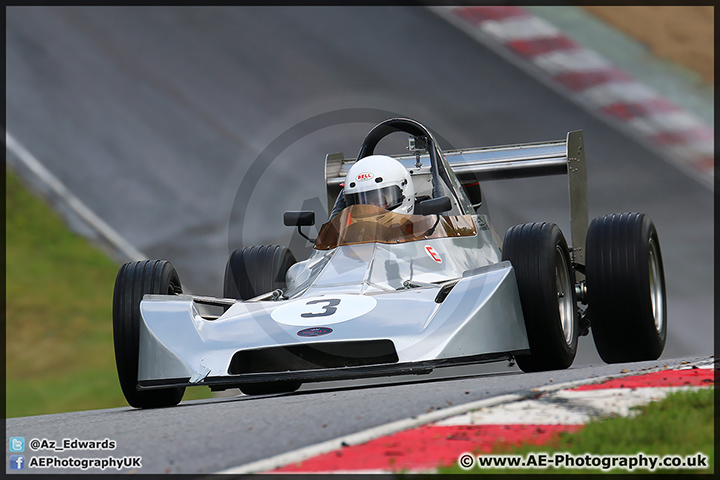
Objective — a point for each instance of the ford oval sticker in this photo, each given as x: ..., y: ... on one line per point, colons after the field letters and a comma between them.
x: 314, y: 331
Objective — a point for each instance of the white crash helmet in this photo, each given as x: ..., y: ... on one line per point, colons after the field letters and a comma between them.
x: 380, y: 180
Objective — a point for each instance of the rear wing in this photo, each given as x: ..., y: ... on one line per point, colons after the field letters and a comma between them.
x: 470, y: 165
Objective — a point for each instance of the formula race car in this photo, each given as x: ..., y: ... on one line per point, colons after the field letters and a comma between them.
x: 405, y: 277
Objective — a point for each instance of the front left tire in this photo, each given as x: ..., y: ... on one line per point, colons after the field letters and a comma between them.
x: 541, y: 260
x: 252, y: 271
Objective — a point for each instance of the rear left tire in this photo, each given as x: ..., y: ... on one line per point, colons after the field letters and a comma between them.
x: 625, y: 279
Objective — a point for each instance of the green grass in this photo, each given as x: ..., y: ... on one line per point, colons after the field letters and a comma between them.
x: 681, y: 424
x: 59, y: 351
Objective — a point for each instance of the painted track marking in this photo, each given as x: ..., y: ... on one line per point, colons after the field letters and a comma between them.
x: 340, y: 444
x: 77, y: 206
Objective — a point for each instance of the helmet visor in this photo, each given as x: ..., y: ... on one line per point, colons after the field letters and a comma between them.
x: 386, y: 197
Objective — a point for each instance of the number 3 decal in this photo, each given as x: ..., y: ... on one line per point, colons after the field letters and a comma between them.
x: 322, y: 311
x: 328, y: 309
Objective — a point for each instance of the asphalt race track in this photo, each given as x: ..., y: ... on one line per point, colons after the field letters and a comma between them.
x: 208, y: 436
x: 191, y: 130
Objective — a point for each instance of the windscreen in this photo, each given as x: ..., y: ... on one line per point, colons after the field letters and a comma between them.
x: 368, y: 224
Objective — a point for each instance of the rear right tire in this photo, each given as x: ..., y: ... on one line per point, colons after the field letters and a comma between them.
x: 269, y: 388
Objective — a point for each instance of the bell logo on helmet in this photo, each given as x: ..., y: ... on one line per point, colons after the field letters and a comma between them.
x: 364, y: 176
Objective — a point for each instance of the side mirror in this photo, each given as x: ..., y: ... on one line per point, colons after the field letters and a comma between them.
x: 304, y: 218
x: 435, y: 206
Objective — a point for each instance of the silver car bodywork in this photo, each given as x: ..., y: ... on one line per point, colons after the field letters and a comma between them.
x: 368, y: 309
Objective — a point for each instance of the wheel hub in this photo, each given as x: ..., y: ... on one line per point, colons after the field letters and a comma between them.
x: 656, y: 290
x: 564, y: 295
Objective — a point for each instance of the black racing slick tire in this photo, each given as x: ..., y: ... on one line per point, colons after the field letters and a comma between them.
x: 540, y: 258
x: 269, y: 388
x: 252, y: 271
x: 134, y: 280
x: 627, y: 305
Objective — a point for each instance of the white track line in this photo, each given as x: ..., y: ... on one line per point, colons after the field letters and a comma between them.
x: 73, y: 202
x: 571, y: 61
x: 525, y: 28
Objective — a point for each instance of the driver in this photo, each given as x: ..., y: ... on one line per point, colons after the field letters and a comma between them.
x: 377, y: 180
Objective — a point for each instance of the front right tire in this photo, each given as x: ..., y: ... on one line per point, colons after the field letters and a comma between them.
x: 134, y: 280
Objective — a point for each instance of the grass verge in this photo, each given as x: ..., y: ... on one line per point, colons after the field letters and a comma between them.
x: 681, y: 424
x: 59, y: 350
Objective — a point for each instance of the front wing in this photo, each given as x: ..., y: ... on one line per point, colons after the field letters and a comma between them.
x: 409, y: 331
